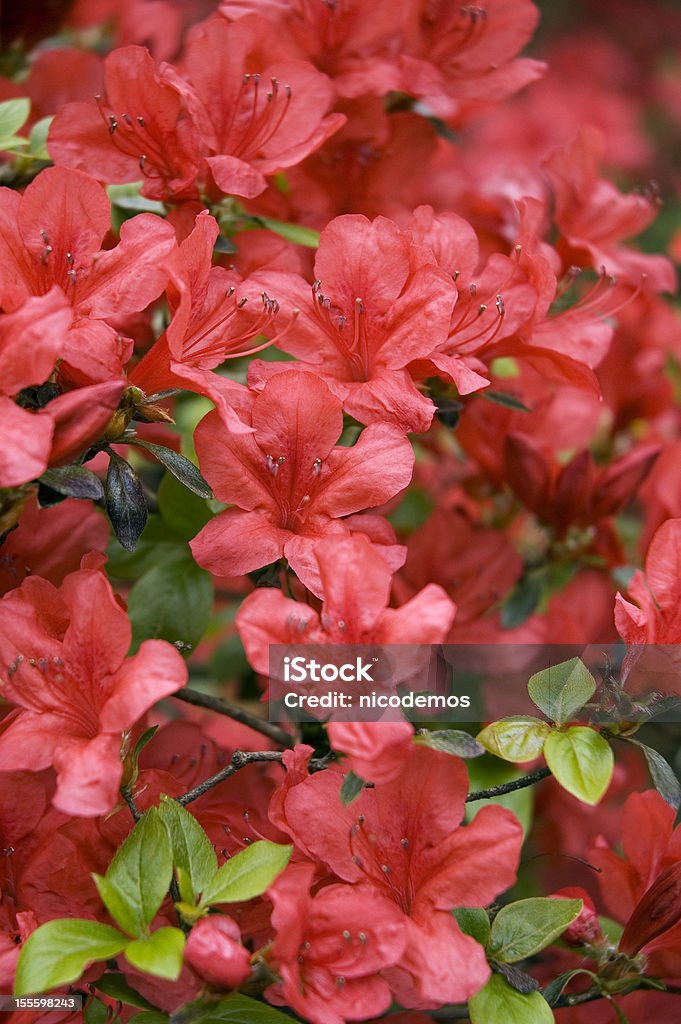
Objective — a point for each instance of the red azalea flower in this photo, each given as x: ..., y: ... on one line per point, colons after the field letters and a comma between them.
x: 656, y: 616
x: 290, y: 484
x: 329, y: 948
x: 65, y: 668
x: 355, y: 590
x: 51, y: 237
x: 378, y: 303
x: 403, y: 839
x: 215, y: 316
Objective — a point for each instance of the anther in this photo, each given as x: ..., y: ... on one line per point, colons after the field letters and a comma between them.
x: 241, y: 303
x: 501, y: 309
x: 140, y: 121
x: 113, y: 124
x: 362, y: 936
x: 317, y: 467
x: 385, y: 868
x: 340, y: 981
x: 404, y: 843
x: 346, y: 935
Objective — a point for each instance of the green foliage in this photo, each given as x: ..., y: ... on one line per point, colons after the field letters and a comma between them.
x: 115, y: 985
x: 247, y: 874
x: 58, y: 952
x: 159, y: 954
x: 139, y: 875
x: 126, y: 505
x: 498, y: 1002
x: 664, y: 779
x: 181, y: 468
x: 173, y: 601
x: 184, y: 512
x: 234, y: 1009
x: 486, y: 772
x: 451, y: 741
x: 560, y: 691
x: 74, y: 482
x: 13, y: 114
x: 524, y: 928
x: 193, y: 853
x: 473, y: 921
x: 581, y: 761
x: 351, y: 788
x: 518, y: 739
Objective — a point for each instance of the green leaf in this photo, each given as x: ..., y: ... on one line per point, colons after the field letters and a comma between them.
x: 486, y: 772
x: 521, y: 602
x: 497, y: 1002
x: 234, y: 1009
x: 560, y: 691
x: 157, y: 546
x: 74, y: 481
x: 171, y: 602
x: 503, y: 398
x: 248, y: 873
x: 193, y: 851
x: 126, y: 505
x: 554, y: 989
x: 37, y: 139
x: 13, y: 114
x: 473, y: 921
x: 139, y: 875
x: 150, y: 1017
x: 181, y: 468
x: 518, y: 739
x: 95, y: 1013
x: 351, y: 788
x: 523, y: 928
x: 115, y: 986
x: 160, y: 954
x: 664, y: 779
x: 184, y: 512
x: 581, y: 761
x: 58, y: 952
x: 292, y: 232
x: 451, y: 741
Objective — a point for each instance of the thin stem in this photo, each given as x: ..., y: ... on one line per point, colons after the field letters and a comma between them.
x: 224, y: 707
x: 509, y: 787
x: 134, y: 809
x: 240, y: 758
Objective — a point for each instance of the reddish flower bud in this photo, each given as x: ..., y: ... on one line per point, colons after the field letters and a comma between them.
x: 658, y: 910
x: 585, y: 929
x: 214, y: 951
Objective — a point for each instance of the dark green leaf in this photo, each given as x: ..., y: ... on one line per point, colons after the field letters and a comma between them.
x: 351, y: 788
x: 58, y: 952
x: 473, y: 921
x: 171, y: 602
x: 95, y: 1013
x: 160, y: 954
x: 451, y: 741
x: 247, y: 874
x: 554, y: 989
x: 521, y: 602
x: 145, y: 738
x: 503, y: 398
x: 157, y: 546
x: 524, y: 928
x: 184, y: 512
x: 150, y: 1017
x: 234, y: 1009
x: 116, y: 986
x: 74, y: 481
x: 664, y: 779
x: 192, y: 849
x: 125, y: 502
x: 185, y: 471
x: 139, y: 875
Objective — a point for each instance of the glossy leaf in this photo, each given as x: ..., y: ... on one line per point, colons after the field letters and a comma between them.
x: 581, y: 761
x: 248, y: 873
x: 193, y: 851
x: 498, y: 1002
x: 518, y: 739
x: 126, y: 505
x: 560, y: 691
x: 160, y: 954
x: 58, y: 952
x: 451, y: 741
x: 523, y: 928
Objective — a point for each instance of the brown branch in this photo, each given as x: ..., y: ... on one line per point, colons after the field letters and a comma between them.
x: 509, y: 787
x: 240, y: 758
x: 224, y: 707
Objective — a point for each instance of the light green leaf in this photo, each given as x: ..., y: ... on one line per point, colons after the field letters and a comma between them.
x: 451, y: 741
x: 13, y: 114
x: 139, y: 875
x: 193, y: 852
x: 37, y: 139
x: 58, y: 952
x: 521, y: 929
x: 247, y: 874
x: 560, y: 691
x: 497, y: 1002
x: 160, y: 954
x: 234, y: 1009
x: 581, y: 761
x: 518, y: 739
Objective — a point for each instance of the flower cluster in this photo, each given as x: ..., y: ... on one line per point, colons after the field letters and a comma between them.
x: 344, y: 324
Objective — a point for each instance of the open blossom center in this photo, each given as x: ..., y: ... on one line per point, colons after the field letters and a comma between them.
x: 292, y: 487
x: 388, y: 866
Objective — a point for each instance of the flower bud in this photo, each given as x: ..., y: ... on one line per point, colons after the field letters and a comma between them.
x: 213, y: 950
x: 585, y: 930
